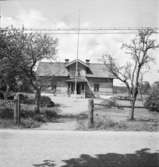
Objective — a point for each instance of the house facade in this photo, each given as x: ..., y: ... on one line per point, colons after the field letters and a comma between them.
x: 92, y: 79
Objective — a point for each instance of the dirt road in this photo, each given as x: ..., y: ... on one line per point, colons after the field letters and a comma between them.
x: 28, y: 148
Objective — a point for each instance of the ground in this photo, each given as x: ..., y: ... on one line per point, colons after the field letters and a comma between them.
x: 73, y: 115
x: 30, y: 148
x: 106, y: 118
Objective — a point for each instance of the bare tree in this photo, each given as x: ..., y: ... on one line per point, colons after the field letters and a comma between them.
x: 131, y: 73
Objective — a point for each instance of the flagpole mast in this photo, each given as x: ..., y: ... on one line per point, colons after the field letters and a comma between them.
x: 77, y: 54
x: 0, y: 16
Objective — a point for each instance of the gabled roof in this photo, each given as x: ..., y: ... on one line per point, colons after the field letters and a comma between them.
x: 52, y: 69
x: 99, y: 71
x: 60, y: 69
x: 79, y: 61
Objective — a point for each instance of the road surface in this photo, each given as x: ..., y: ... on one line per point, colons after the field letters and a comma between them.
x: 28, y: 148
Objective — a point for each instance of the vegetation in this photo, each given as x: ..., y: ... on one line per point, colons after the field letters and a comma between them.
x: 131, y: 74
x: 45, y: 101
x: 19, y: 54
x: 152, y: 101
x: 29, y: 119
x: 117, y: 120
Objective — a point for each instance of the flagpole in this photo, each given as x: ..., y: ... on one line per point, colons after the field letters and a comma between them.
x: 77, y: 54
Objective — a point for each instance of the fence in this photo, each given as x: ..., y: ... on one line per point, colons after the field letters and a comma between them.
x: 15, y: 105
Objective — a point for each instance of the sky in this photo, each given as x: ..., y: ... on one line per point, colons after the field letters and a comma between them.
x: 93, y: 13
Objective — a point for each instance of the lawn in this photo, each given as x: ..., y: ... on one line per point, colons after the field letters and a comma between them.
x: 113, y: 118
x: 72, y: 114
x: 29, y: 119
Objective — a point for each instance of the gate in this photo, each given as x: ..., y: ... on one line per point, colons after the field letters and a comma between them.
x: 15, y: 105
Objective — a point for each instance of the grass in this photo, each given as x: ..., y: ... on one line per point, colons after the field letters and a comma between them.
x: 29, y: 119
x: 105, y: 117
x: 117, y: 119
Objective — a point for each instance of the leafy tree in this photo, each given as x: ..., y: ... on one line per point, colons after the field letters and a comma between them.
x: 130, y: 74
x: 9, y: 52
x: 152, y: 101
x: 37, y: 47
x: 20, y: 53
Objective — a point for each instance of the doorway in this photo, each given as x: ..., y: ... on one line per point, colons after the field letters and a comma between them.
x: 80, y: 88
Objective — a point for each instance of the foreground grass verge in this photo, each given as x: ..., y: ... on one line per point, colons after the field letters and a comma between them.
x: 118, y: 120
x: 29, y: 119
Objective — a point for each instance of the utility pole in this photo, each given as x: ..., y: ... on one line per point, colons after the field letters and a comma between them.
x: 76, y: 72
x: 0, y: 15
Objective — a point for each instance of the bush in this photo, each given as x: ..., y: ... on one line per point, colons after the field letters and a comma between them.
x: 6, y: 113
x: 27, y: 113
x: 152, y: 101
x: 50, y: 114
x: 45, y: 101
x: 44, y: 116
x: 1, y: 96
x: 110, y: 102
x: 26, y: 100
x: 40, y: 118
x: 29, y: 123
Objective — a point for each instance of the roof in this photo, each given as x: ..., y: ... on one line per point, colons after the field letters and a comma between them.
x: 60, y: 69
x: 80, y: 61
x: 52, y: 69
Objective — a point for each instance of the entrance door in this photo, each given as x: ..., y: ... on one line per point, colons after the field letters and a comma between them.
x: 80, y: 88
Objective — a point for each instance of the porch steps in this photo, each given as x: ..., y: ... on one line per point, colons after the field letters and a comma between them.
x: 89, y: 93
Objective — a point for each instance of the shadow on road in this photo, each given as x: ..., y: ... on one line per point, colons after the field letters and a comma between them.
x: 141, y: 158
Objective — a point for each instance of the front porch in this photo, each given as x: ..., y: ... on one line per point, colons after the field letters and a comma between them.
x: 77, y: 87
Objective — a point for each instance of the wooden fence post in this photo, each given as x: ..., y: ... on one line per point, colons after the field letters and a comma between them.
x: 17, y: 109
x: 90, y: 113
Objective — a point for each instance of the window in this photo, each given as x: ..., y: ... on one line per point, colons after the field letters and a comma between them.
x: 54, y: 87
x: 96, y: 87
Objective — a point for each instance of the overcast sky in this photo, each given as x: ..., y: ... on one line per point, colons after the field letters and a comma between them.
x: 93, y: 13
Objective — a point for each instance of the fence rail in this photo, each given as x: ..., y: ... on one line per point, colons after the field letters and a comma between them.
x: 15, y: 105
x: 7, y: 103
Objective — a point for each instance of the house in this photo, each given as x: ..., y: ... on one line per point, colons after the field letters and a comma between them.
x: 92, y: 79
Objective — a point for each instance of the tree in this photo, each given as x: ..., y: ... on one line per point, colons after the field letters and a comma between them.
x: 145, y: 87
x: 37, y: 47
x: 20, y: 53
x: 131, y: 73
x: 152, y: 101
x: 9, y: 52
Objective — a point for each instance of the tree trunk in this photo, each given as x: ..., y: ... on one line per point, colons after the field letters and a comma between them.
x: 133, y: 105
x: 6, y: 92
x: 132, y: 109
x: 37, y: 100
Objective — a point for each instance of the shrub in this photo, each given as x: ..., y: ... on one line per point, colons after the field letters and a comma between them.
x: 110, y: 102
x: 26, y: 100
x: 1, y: 96
x: 44, y: 116
x: 27, y: 113
x: 6, y: 113
x: 40, y: 118
x: 46, y: 101
x: 152, y: 101
x: 49, y: 114
x: 29, y: 123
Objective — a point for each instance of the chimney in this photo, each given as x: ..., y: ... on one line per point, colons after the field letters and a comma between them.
x: 66, y: 61
x: 87, y: 61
